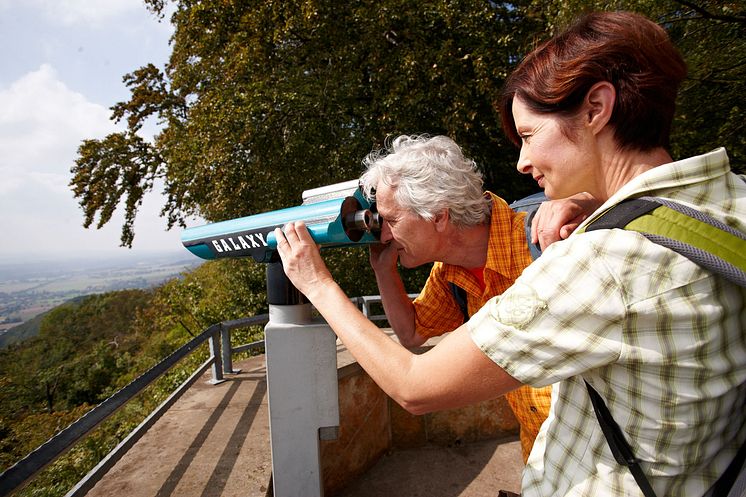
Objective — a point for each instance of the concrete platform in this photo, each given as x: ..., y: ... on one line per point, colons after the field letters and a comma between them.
x: 214, y: 442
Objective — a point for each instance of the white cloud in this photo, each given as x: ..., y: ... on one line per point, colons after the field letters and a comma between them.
x: 84, y: 12
x: 42, y: 122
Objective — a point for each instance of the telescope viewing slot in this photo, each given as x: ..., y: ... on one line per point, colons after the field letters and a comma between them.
x: 357, y: 221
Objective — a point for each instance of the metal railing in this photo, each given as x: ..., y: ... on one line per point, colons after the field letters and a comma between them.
x: 21, y: 472
x: 220, y: 360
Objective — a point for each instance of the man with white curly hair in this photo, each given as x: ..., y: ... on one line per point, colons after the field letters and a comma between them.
x: 434, y: 209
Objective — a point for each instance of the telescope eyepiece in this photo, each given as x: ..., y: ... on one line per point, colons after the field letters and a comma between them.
x: 374, y: 224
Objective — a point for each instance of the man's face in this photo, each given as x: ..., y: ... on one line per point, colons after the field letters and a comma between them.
x: 413, y: 237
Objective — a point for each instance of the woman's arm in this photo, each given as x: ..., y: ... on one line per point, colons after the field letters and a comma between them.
x: 452, y: 374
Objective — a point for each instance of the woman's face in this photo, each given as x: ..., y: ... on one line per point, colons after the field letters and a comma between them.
x: 559, y: 165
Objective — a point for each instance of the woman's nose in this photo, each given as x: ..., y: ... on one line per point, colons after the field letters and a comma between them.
x: 523, y: 165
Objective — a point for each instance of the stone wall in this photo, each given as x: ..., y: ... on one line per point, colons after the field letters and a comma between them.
x: 371, y: 424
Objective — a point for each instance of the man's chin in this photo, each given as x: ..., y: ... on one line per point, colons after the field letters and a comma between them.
x: 408, y: 263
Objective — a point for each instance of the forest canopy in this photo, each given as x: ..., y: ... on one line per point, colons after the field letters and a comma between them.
x: 261, y: 100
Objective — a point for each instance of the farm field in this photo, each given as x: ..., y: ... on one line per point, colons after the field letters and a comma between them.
x: 29, y: 289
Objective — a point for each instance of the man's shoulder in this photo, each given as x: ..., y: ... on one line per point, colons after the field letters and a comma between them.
x: 529, y: 203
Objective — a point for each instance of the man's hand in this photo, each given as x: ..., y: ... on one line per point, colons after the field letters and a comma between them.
x: 301, y: 259
x: 396, y: 303
x: 383, y: 257
x: 556, y: 219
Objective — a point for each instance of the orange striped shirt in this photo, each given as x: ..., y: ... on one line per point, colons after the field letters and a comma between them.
x: 437, y: 312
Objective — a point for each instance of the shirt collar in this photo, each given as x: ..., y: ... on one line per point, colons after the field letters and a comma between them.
x: 677, y: 174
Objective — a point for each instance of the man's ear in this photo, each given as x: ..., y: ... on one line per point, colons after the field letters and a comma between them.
x: 441, y: 220
x: 599, y: 105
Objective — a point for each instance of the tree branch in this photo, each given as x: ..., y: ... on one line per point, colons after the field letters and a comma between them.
x: 709, y: 15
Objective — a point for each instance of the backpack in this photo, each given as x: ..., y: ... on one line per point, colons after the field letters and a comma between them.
x: 704, y: 240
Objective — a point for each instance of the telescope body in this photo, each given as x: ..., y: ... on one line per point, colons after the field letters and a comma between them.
x: 336, y: 215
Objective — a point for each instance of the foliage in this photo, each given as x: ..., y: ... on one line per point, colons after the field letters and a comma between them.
x: 82, y: 345
x: 21, y: 332
x: 261, y: 100
x: 82, y: 349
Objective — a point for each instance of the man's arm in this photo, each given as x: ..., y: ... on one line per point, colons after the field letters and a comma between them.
x: 452, y: 374
x: 396, y: 303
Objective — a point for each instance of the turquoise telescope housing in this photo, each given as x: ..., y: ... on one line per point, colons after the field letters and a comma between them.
x: 336, y: 215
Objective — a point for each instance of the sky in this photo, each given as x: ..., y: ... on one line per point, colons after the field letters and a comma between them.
x: 61, y: 70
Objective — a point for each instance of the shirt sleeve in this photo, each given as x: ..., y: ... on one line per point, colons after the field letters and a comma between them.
x: 436, y: 311
x: 563, y: 316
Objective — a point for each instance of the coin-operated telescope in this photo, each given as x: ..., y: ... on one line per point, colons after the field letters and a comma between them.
x: 336, y: 215
x: 301, y: 351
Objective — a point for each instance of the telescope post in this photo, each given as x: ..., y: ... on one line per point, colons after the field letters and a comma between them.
x: 301, y: 356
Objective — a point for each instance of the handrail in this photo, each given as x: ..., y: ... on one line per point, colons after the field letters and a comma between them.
x: 22, y: 471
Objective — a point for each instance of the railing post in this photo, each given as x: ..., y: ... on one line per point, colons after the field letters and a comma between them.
x: 225, y: 338
x: 217, y: 361
x: 365, y: 307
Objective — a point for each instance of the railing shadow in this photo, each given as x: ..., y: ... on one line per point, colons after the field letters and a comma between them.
x: 227, y: 461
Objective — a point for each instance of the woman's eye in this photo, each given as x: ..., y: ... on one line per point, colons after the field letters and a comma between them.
x: 525, y: 138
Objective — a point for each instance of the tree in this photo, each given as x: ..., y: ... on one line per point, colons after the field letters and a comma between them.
x: 74, y: 359
x: 261, y: 100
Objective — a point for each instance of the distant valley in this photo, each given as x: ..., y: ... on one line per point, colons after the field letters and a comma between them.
x: 31, y: 288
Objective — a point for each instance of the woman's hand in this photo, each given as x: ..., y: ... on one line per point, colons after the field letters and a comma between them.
x: 557, y: 219
x: 301, y: 259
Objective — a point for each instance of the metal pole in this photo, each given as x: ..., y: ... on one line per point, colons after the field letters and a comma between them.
x: 302, y: 388
x: 225, y: 338
x: 217, y: 363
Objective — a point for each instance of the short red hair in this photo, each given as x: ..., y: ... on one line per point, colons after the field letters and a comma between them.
x: 626, y: 49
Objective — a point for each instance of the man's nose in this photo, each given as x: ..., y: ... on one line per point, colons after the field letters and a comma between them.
x: 386, y: 232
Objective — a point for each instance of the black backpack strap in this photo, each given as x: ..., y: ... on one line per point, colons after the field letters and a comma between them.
x: 618, y: 443
x: 622, y: 214
x: 459, y: 295
x: 734, y: 472
x: 530, y: 205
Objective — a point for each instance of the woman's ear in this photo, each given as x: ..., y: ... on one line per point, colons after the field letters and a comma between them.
x: 599, y: 105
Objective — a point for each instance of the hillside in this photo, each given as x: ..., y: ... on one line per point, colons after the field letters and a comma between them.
x: 30, y: 289
x: 22, y: 332
x: 89, y: 347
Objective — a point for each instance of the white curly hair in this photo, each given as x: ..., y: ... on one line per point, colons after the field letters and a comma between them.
x: 429, y: 174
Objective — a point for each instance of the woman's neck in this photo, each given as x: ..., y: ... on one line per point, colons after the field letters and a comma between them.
x: 621, y: 166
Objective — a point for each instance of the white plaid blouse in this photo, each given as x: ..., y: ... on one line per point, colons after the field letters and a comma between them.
x: 662, y: 340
